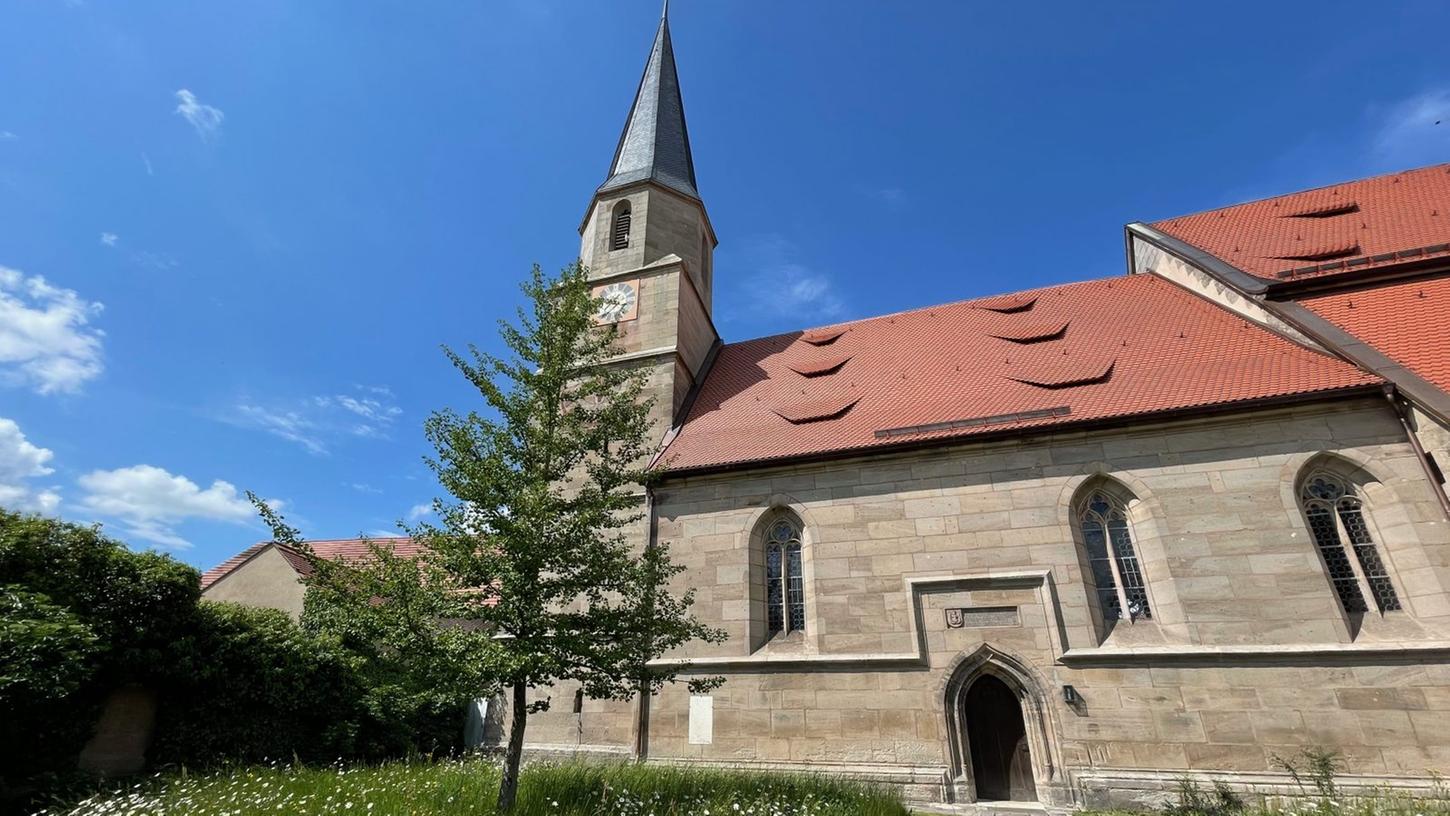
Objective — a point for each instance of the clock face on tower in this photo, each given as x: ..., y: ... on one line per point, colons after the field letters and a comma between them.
x: 617, y: 301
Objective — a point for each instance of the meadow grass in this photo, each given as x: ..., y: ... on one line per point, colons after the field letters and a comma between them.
x: 469, y: 786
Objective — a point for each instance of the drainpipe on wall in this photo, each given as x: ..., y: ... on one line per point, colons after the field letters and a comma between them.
x: 1431, y: 476
x: 641, y: 732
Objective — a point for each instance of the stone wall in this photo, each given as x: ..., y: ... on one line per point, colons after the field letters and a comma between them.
x: 1248, y: 653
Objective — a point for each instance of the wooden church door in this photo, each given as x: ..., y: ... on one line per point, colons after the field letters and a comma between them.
x: 997, y: 739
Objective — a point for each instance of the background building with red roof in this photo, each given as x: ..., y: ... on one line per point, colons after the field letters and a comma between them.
x: 1064, y: 546
x: 270, y: 574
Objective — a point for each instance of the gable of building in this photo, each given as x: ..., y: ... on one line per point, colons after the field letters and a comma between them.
x: 269, y: 574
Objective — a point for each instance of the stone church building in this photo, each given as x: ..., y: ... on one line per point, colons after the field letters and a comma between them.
x: 1061, y: 546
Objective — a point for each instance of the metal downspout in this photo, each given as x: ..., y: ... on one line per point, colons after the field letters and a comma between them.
x: 1435, y: 485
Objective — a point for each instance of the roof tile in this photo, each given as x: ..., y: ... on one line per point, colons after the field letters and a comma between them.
x: 1369, y: 223
x: 941, y: 370
x: 1408, y: 321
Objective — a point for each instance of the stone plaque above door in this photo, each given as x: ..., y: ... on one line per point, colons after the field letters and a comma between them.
x: 971, y: 617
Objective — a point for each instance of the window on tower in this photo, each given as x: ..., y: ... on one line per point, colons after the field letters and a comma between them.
x: 619, y: 235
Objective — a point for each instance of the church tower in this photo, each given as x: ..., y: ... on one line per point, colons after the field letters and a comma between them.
x: 647, y: 241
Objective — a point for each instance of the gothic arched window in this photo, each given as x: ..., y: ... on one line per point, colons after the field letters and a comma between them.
x: 785, y: 598
x: 1112, y: 561
x: 1336, y: 520
x: 619, y: 230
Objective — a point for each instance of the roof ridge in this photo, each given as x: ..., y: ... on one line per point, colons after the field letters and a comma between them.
x: 929, y: 307
x: 1301, y: 192
x: 350, y: 538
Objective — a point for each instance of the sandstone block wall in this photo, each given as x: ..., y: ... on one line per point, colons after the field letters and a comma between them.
x: 1248, y: 654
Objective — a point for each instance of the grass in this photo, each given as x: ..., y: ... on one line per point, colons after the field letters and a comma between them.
x: 469, y: 786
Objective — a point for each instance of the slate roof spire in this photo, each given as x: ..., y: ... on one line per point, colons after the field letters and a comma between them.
x: 655, y: 144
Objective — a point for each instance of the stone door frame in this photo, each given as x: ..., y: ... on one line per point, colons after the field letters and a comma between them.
x: 1037, y: 721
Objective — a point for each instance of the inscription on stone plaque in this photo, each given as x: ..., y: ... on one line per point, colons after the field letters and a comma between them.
x: 969, y: 617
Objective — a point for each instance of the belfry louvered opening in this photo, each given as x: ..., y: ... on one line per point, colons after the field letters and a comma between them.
x: 619, y: 235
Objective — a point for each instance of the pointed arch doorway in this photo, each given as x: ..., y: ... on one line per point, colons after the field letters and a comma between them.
x: 997, y: 742
x: 998, y: 726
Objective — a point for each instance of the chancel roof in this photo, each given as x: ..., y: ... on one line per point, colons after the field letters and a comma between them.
x: 1368, y: 224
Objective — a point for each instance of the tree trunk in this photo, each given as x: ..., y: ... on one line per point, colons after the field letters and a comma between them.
x: 508, y: 788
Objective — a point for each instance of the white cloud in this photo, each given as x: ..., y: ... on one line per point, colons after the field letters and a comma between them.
x: 363, y: 487
x: 7, y: 136
x: 1413, y: 131
x: 150, y: 502
x: 316, y: 422
x: 46, y: 341
x: 155, y: 261
x: 783, y: 287
x: 146, y: 160
x: 893, y: 197
x: 370, y: 409
x: 418, y: 511
x: 20, y: 461
x: 205, y: 118
x: 289, y: 425
x: 109, y: 238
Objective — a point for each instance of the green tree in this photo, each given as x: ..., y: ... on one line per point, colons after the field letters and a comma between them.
x: 408, y: 636
x: 532, y: 547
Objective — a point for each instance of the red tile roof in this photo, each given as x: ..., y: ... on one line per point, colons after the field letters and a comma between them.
x: 346, y: 548
x: 1134, y: 345
x: 1371, y: 223
x: 1408, y: 321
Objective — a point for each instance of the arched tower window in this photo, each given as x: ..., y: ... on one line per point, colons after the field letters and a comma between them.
x: 785, y: 599
x: 1336, y: 520
x: 1117, y: 577
x: 619, y: 231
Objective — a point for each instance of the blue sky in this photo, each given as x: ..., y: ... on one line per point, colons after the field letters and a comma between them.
x: 234, y: 235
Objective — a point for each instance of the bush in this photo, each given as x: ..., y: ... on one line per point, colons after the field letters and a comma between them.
x: 136, y: 603
x: 46, y: 655
x: 45, y: 651
x: 247, y: 684
x: 81, y: 615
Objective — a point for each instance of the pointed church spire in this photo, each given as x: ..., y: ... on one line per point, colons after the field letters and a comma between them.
x: 655, y: 144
